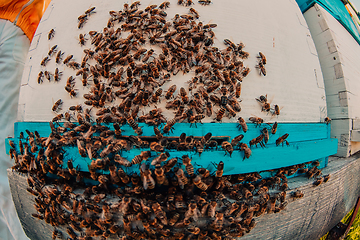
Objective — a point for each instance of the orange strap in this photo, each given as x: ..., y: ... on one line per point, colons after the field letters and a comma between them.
x: 26, y: 14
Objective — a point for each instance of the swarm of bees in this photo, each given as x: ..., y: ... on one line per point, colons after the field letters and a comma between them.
x: 169, y: 197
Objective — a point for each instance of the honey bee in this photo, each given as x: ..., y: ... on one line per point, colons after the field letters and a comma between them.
x: 164, y: 5
x: 148, y: 182
x: 147, y: 55
x: 67, y: 59
x: 81, y: 23
x: 57, y: 74
x: 327, y: 120
x: 51, y: 34
x: 52, y: 50
x: 274, y: 128
x: 247, y: 151
x: 183, y: 95
x: 44, y: 61
x: 297, y: 194
x: 169, y: 164
x: 199, y: 184
x: 256, y: 120
x: 194, y: 12
x: 156, y: 147
x: 213, y: 87
x: 40, y: 76
x: 71, y: 91
x: 57, y: 117
x: 236, y: 140
x: 262, y: 58
x: 169, y: 125
x: 90, y: 11
x: 56, y: 105
x: 170, y: 91
x: 141, y: 157
x: 245, y: 72
x: 188, y: 166
x: 227, y: 147
x: 204, y: 2
x: 220, y: 114
x: 282, y: 139
x: 265, y: 132
x: 81, y: 39
x: 262, y: 68
x: 257, y: 140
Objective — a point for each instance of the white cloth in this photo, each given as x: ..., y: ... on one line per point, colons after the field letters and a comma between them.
x: 14, y: 46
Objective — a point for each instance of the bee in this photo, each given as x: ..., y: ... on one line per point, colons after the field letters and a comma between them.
x: 219, y: 170
x: 209, y: 109
x: 147, y: 55
x: 44, y: 61
x: 40, y: 76
x: 256, y: 120
x: 164, y: 5
x: 199, y: 184
x: 169, y: 125
x: 231, y: 111
x: 71, y: 168
x: 265, y: 132
x: 67, y: 59
x: 148, y: 182
x: 181, y: 178
x: 183, y: 95
x: 57, y: 117
x: 194, y: 12
x: 262, y: 68
x: 170, y: 91
x: 47, y: 74
x: 57, y: 74
x: 227, y: 147
x: 245, y: 72
x: 204, y: 2
x: 220, y: 114
x: 144, y: 155
x: 76, y: 108
x: 160, y: 176
x: 58, y: 57
x: 262, y: 58
x: 188, y: 166
x: 257, y: 140
x: 242, y: 124
x: 213, y: 87
x: 51, y: 34
x: 327, y: 120
x: 135, y: 4
x: 81, y: 147
x: 56, y: 105
x: 236, y: 140
x: 169, y: 164
x: 90, y: 11
x: 71, y: 91
x: 122, y: 161
x: 274, y: 128
x: 282, y: 139
x: 81, y: 39
x: 297, y: 194
x: 180, y: 2
x: 52, y: 50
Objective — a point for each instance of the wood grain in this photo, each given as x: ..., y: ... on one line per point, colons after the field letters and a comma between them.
x: 310, y: 217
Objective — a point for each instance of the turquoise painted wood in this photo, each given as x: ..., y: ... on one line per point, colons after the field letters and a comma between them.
x: 308, y: 142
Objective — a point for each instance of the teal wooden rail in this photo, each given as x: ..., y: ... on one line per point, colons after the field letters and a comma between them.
x: 307, y: 142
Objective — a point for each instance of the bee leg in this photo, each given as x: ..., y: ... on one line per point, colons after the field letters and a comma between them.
x: 287, y: 143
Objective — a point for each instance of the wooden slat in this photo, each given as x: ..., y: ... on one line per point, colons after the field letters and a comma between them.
x: 307, y: 142
x: 326, y: 204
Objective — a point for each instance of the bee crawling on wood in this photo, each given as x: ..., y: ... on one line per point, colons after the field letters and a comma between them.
x: 51, y: 34
x: 282, y: 139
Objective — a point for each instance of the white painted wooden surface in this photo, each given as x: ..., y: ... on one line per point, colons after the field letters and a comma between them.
x: 277, y: 28
x: 339, y: 56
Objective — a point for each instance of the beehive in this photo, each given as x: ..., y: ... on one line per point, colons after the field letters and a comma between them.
x: 285, y: 85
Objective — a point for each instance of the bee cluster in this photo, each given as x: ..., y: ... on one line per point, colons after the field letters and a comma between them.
x: 170, y: 198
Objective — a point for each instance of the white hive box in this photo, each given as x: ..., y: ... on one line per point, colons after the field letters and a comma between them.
x: 294, y: 79
x: 340, y: 63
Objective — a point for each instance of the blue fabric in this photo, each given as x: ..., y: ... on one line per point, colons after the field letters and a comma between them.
x: 337, y: 9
